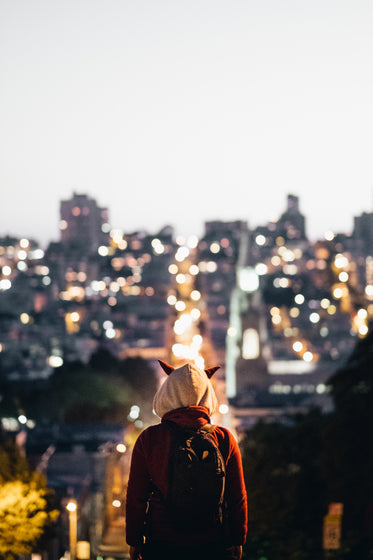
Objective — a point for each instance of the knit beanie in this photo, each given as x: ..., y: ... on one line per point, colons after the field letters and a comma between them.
x: 187, y: 385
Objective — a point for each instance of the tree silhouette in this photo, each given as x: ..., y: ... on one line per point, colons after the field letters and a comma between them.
x: 25, y: 504
x: 349, y: 439
x: 138, y: 374
x: 285, y: 490
x: 295, y: 470
x: 77, y: 393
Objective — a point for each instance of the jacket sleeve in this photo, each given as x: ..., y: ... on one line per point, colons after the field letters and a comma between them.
x: 236, y: 497
x: 137, y: 495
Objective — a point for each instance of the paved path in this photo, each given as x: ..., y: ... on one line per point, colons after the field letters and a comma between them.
x: 114, y: 542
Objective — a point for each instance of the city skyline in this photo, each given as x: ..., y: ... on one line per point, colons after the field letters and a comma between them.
x: 199, y: 231
x: 181, y: 113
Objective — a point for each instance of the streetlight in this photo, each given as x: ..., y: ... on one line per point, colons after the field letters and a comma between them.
x: 121, y: 448
x: 72, y: 508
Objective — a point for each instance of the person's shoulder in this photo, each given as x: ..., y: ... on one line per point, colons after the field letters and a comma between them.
x: 225, y: 436
x: 151, y: 431
x: 224, y: 431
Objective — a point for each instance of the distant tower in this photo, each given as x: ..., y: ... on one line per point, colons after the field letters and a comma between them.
x: 246, y: 366
x: 291, y: 224
x: 83, y: 222
x: 363, y: 231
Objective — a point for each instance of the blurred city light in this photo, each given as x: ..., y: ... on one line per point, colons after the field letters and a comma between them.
x: 134, y: 412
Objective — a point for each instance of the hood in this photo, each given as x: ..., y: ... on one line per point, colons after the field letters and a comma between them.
x: 186, y: 386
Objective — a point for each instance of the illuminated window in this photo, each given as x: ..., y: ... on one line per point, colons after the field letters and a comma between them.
x: 215, y: 247
x: 288, y: 255
x: 290, y: 269
x: 248, y: 279
x: 158, y: 247
x: 314, y: 317
x: 211, y: 266
x: 5, y: 284
x: 329, y: 235
x: 260, y: 240
x: 294, y: 312
x: 55, y: 361
x: 182, y: 253
x: 337, y: 293
x: 276, y: 319
x: 25, y: 318
x: 103, y: 251
x: 362, y: 313
x: 195, y: 314
x: 192, y: 241
x: 250, y: 344
x: 171, y: 300
x: 22, y: 255
x: 369, y: 291
x: 341, y: 261
x: 24, y: 243
x: 110, y: 333
x: 261, y: 269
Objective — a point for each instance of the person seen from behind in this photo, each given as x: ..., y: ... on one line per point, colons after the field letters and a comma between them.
x: 184, y: 403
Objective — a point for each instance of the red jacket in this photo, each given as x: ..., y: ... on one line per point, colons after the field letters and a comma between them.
x: 149, y: 463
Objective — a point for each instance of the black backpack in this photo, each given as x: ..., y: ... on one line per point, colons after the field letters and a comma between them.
x: 196, y: 480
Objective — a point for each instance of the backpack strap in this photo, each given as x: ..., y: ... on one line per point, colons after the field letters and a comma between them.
x: 208, y: 428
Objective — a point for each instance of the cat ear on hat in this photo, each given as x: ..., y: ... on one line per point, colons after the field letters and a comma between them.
x: 210, y: 371
x: 166, y: 367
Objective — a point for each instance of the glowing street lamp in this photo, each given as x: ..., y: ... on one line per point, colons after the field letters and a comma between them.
x: 72, y: 508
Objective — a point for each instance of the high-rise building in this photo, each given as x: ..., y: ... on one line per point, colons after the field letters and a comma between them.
x: 291, y: 224
x: 247, y: 333
x: 363, y: 231
x: 83, y: 222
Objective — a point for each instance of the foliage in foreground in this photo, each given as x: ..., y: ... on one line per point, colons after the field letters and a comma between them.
x: 25, y: 505
x: 23, y: 517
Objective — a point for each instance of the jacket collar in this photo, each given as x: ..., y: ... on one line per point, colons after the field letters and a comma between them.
x: 189, y: 416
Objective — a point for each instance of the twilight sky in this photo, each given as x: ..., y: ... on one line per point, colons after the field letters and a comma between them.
x: 181, y: 111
